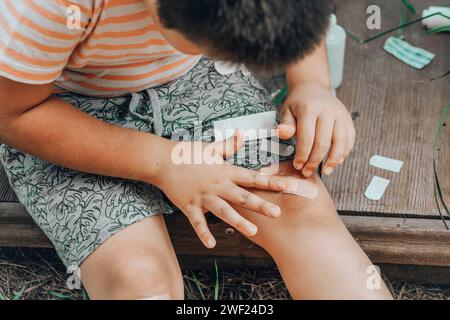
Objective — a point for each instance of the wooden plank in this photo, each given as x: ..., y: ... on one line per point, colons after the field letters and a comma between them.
x: 17, y: 229
x: 413, y: 274
x: 385, y: 240
x: 6, y: 193
x: 404, y: 241
x: 398, y: 112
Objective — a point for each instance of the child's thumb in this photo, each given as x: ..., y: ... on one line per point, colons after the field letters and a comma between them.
x: 287, y: 127
x: 230, y: 146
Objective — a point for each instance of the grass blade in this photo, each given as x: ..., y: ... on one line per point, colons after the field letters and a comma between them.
x: 437, y: 186
x: 198, y: 285
x: 437, y: 30
x: 85, y: 296
x: 441, y: 76
x: 406, y: 24
x: 18, y: 294
x: 217, y: 286
x: 58, y: 295
x: 409, y: 6
x: 401, y: 31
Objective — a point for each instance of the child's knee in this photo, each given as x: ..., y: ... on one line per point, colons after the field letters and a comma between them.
x: 301, y: 212
x: 142, y: 276
x: 300, y: 217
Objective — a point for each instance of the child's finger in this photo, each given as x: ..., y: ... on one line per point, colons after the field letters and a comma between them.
x: 250, y: 201
x: 322, y: 144
x: 230, y: 146
x: 351, y: 139
x: 226, y: 213
x: 198, y: 222
x: 338, y: 148
x: 306, y: 127
x: 253, y: 179
x: 287, y: 127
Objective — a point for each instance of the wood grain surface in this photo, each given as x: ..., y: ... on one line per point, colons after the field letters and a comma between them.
x: 6, y: 193
x: 385, y: 240
x: 397, y: 111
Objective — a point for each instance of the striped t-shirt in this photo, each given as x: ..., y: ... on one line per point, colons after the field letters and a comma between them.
x: 117, y: 48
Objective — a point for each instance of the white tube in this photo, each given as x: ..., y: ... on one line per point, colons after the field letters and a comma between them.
x: 336, y: 38
x: 436, y: 21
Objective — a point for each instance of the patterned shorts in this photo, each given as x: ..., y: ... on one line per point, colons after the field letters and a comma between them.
x: 79, y: 211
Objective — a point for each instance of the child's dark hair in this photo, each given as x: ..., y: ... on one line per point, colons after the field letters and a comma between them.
x: 263, y: 34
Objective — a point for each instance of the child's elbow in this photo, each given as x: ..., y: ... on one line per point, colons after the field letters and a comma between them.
x: 16, y: 99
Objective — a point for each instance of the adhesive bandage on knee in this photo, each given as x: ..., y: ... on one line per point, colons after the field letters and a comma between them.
x: 302, y: 188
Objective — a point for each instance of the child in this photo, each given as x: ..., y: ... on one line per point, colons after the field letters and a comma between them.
x: 87, y: 114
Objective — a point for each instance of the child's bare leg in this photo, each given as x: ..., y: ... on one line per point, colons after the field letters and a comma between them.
x: 136, y: 263
x: 316, y: 255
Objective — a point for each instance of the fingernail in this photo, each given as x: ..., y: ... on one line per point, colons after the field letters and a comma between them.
x: 328, y: 171
x: 250, y: 229
x: 298, y: 166
x: 307, y: 173
x: 274, y: 211
x: 211, y: 243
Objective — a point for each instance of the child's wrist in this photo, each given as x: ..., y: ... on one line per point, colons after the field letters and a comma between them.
x: 157, y: 154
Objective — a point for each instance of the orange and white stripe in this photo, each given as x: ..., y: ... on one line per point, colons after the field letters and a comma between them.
x: 118, y: 49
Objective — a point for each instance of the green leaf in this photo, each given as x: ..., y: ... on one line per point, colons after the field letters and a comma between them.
x: 409, y: 6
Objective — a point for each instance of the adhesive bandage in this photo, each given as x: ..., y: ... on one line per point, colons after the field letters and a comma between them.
x: 413, y: 56
x: 302, y: 188
x: 386, y: 163
x: 376, y: 188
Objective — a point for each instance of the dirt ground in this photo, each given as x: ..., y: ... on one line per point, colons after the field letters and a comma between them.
x: 38, y: 274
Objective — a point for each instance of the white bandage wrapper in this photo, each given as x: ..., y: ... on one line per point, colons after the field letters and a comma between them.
x: 436, y: 21
x: 256, y: 126
x: 274, y: 147
x: 226, y: 68
x: 376, y: 188
x: 302, y: 188
x: 386, y: 163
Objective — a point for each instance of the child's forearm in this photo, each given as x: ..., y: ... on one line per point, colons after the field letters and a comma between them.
x: 312, y: 69
x: 59, y: 133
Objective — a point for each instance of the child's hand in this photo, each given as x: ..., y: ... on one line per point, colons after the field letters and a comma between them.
x: 321, y: 124
x: 198, y: 188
